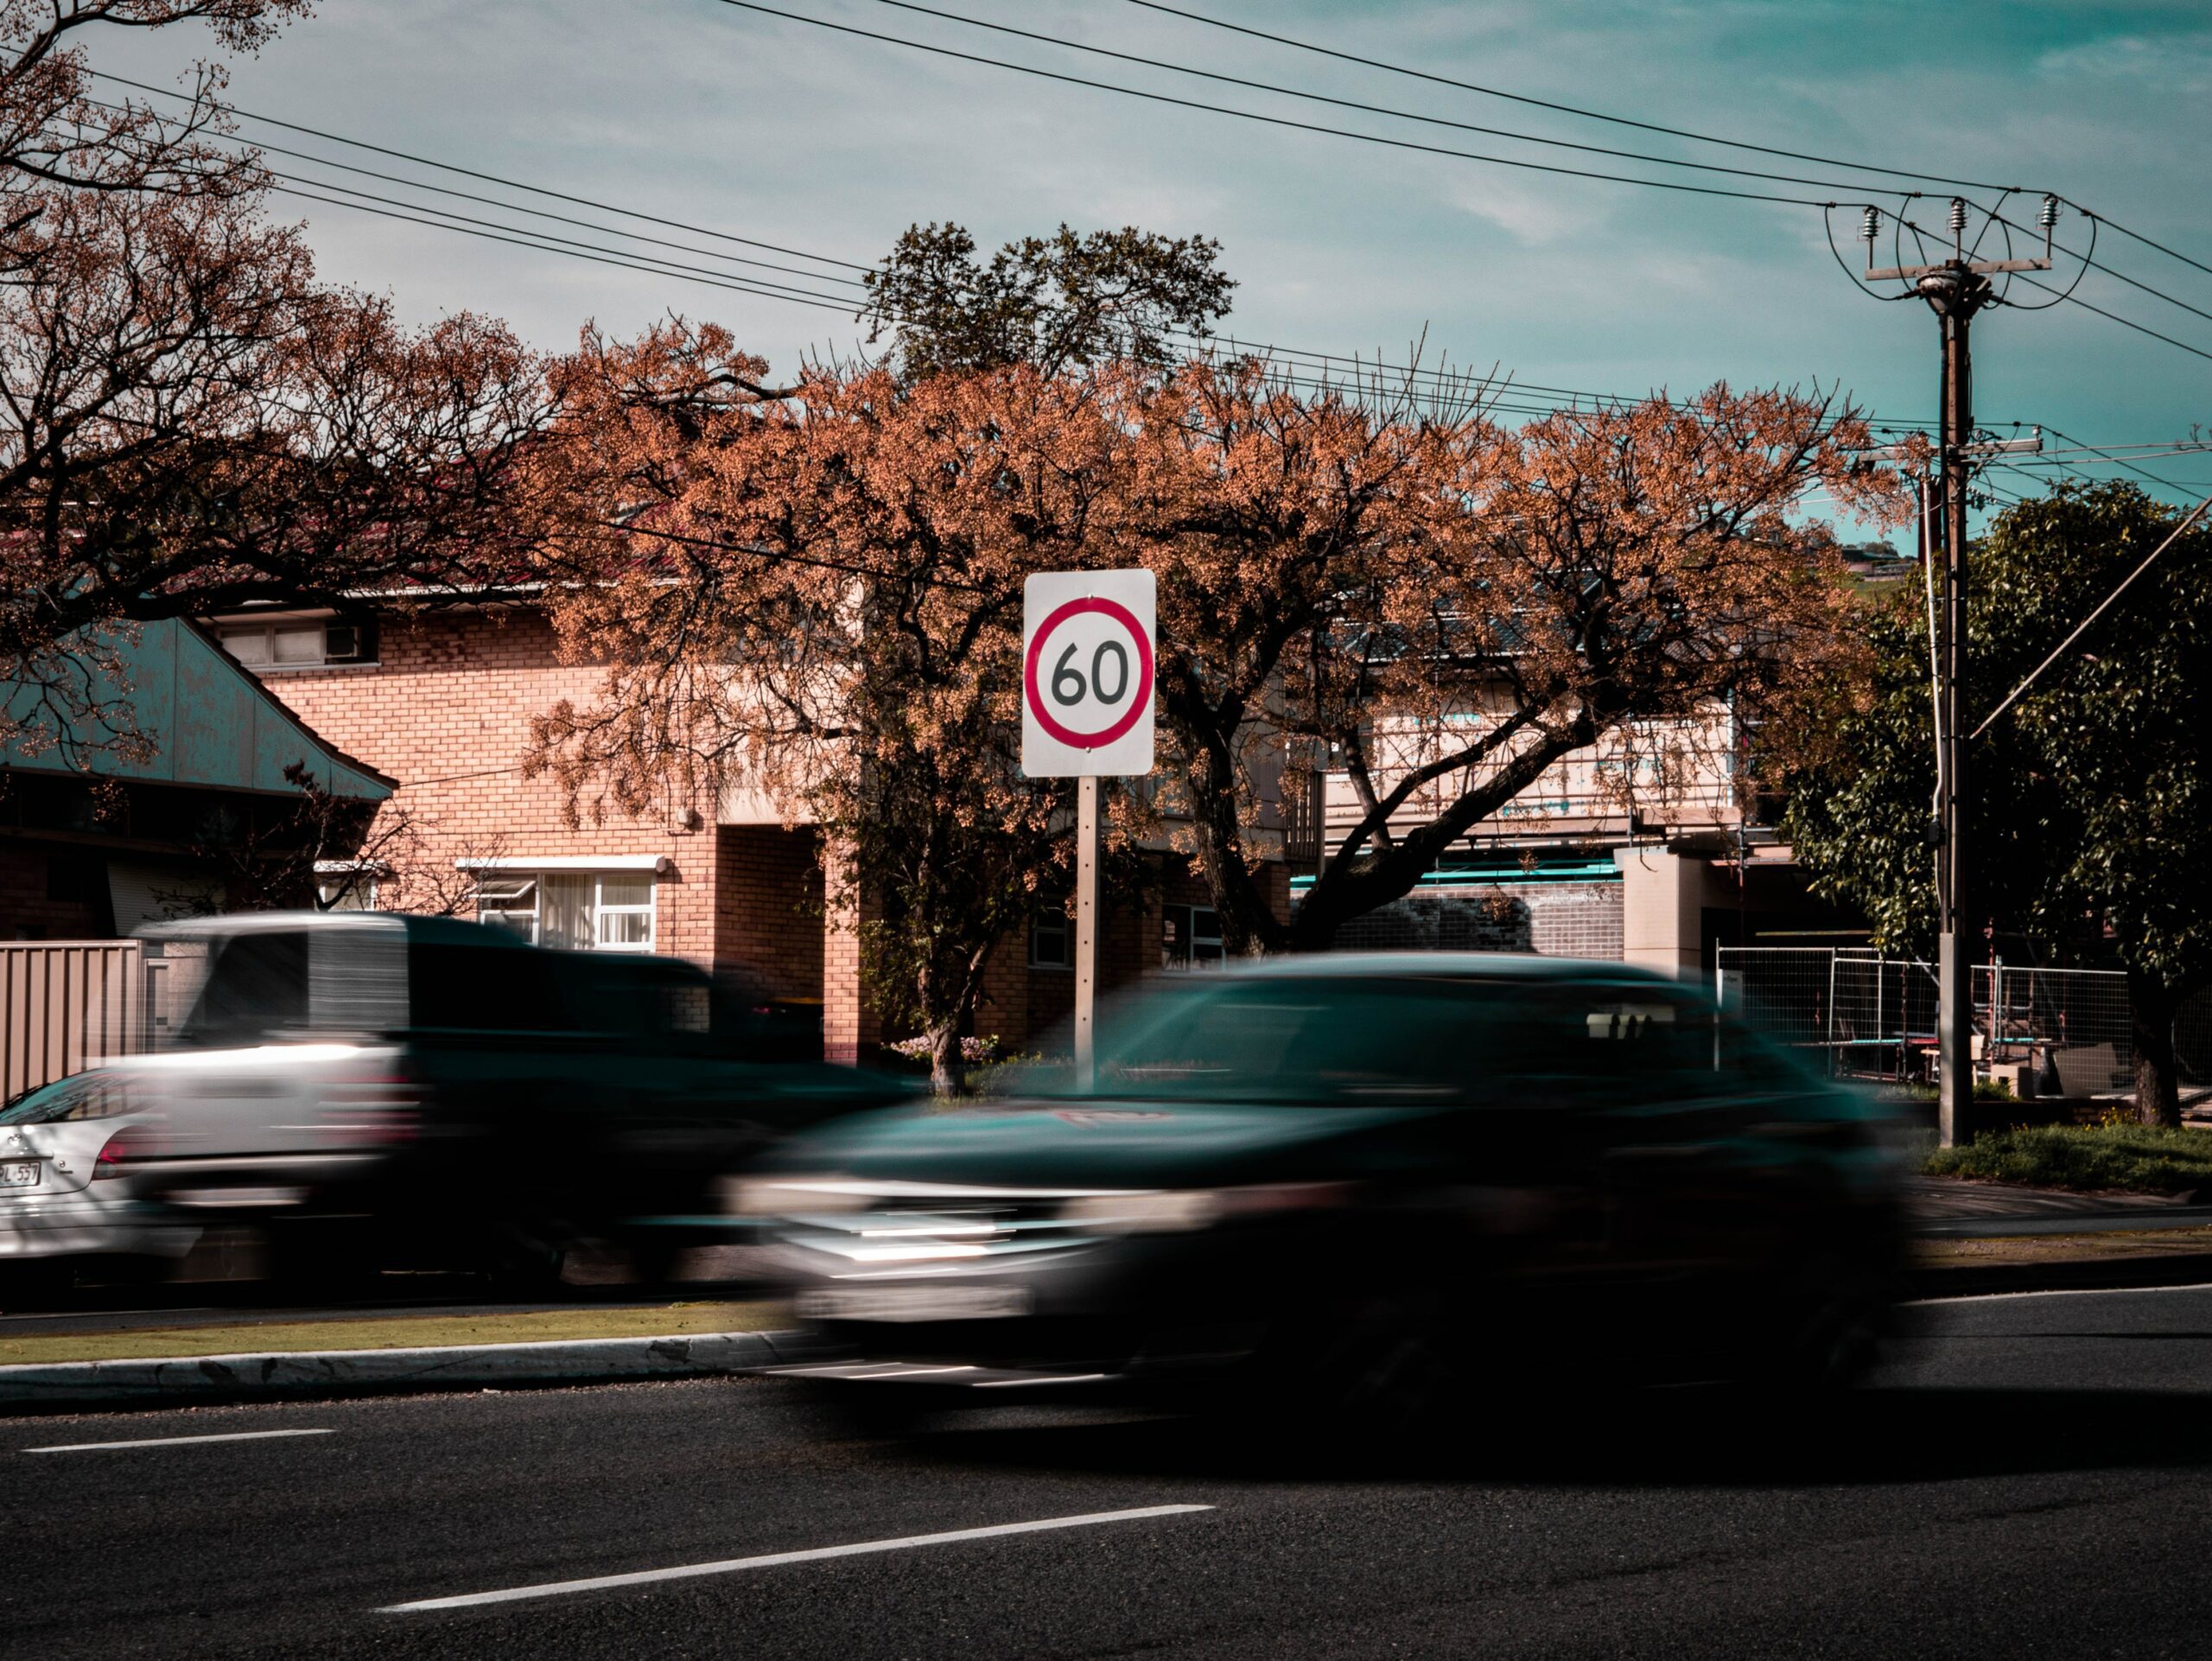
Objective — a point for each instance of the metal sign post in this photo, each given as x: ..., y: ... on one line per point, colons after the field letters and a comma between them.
x: 1087, y: 644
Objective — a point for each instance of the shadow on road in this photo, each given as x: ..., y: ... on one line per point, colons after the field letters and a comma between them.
x: 1666, y: 1439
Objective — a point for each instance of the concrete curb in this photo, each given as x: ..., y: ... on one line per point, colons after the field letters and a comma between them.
x: 2084, y: 1274
x: 2143, y: 1219
x: 195, y: 1380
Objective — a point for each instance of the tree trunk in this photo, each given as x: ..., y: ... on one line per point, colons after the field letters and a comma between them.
x: 948, y: 1065
x: 2158, y: 1083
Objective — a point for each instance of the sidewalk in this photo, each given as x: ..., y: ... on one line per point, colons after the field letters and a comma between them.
x: 1958, y: 1207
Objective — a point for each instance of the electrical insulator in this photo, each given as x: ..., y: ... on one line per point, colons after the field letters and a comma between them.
x: 1870, y: 221
x: 2048, y: 216
x: 1958, y: 216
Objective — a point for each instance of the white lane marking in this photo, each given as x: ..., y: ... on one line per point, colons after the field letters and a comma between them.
x: 173, y: 1441
x: 729, y: 1566
x: 1056, y: 1378
x: 2059, y: 1292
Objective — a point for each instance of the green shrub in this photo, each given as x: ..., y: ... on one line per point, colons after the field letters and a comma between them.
x: 2139, y: 1157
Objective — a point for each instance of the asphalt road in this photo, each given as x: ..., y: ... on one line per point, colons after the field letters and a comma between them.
x: 2030, y: 1479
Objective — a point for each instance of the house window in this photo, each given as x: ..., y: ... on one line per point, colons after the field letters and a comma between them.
x: 1190, y: 938
x: 298, y: 643
x: 1052, y: 937
x: 345, y: 894
x: 584, y: 911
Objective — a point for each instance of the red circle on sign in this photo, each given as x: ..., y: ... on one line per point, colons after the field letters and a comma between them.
x: 1068, y: 735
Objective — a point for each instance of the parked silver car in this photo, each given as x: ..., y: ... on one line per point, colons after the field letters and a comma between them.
x: 63, y: 1197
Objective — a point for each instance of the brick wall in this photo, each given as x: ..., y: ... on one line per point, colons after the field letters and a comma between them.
x: 446, y: 712
x: 1554, y: 920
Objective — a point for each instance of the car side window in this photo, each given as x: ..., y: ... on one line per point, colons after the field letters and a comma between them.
x: 1609, y: 1046
x: 482, y: 989
x: 256, y: 989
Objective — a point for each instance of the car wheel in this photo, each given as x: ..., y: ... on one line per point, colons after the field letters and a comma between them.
x: 36, y: 1282
x: 1390, y: 1372
x: 1834, y: 1320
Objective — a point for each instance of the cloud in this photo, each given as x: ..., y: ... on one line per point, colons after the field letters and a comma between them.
x: 2180, y: 64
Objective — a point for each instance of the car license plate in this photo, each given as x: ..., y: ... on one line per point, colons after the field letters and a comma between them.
x: 914, y: 1303
x: 19, y: 1174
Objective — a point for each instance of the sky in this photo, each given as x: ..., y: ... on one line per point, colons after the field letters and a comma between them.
x: 726, y: 119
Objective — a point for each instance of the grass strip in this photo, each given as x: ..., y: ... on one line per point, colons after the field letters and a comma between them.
x: 400, y: 1332
x: 2062, y: 1248
x: 2137, y: 1158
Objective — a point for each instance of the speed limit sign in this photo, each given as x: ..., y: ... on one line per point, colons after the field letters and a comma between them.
x: 1087, y: 674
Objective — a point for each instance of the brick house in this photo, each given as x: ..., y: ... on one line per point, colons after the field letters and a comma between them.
x: 1647, y: 847
x: 442, y: 703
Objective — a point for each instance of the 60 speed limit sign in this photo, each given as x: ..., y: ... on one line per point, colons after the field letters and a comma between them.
x: 1086, y: 673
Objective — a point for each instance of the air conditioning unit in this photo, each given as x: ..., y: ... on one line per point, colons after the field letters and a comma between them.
x: 345, y: 643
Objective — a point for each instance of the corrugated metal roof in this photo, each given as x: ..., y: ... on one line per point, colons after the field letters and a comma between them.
x: 213, y: 723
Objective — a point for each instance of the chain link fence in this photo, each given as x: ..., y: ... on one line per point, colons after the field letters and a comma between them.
x: 2063, y: 1032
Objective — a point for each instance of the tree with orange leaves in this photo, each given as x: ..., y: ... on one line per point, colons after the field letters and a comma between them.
x: 190, y: 422
x: 816, y: 595
x: 815, y: 590
x: 1446, y: 607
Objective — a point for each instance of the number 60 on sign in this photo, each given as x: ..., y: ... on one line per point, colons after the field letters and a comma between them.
x: 1087, y: 642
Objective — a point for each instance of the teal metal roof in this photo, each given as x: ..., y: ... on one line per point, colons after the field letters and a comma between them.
x: 1508, y: 874
x: 213, y: 724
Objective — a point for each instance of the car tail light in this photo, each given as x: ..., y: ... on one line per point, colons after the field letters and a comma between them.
x: 115, y: 1155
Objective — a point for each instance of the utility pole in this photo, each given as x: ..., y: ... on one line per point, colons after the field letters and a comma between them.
x: 1955, y: 290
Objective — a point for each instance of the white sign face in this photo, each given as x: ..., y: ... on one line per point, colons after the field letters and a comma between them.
x: 1086, y: 673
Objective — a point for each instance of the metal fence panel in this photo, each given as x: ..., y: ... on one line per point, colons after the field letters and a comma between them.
x: 65, y: 1003
x: 2055, y: 1031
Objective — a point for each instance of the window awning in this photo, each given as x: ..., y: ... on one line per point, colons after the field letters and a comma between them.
x: 658, y: 864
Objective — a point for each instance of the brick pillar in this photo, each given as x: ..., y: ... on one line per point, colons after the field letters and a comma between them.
x: 1661, y: 916
x: 850, y: 1028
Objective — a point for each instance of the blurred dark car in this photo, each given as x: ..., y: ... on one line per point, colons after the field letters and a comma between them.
x: 375, y: 1089
x: 1375, y: 1180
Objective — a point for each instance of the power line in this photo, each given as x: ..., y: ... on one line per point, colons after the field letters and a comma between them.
x: 1564, y: 109
x: 2083, y: 626
x: 1414, y: 375
x: 526, y: 239
x: 2098, y: 265
x: 1275, y: 120
x: 2172, y: 253
x: 2116, y: 461
x: 1354, y: 104
x: 760, y: 283
x: 491, y: 178
x: 2114, y: 316
x: 1360, y: 365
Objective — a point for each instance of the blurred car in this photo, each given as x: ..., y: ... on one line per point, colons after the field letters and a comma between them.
x: 1373, y: 1181
x: 373, y: 1090
x: 60, y: 1204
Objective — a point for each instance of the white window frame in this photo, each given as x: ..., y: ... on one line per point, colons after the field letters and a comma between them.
x: 502, y: 873
x: 233, y: 634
